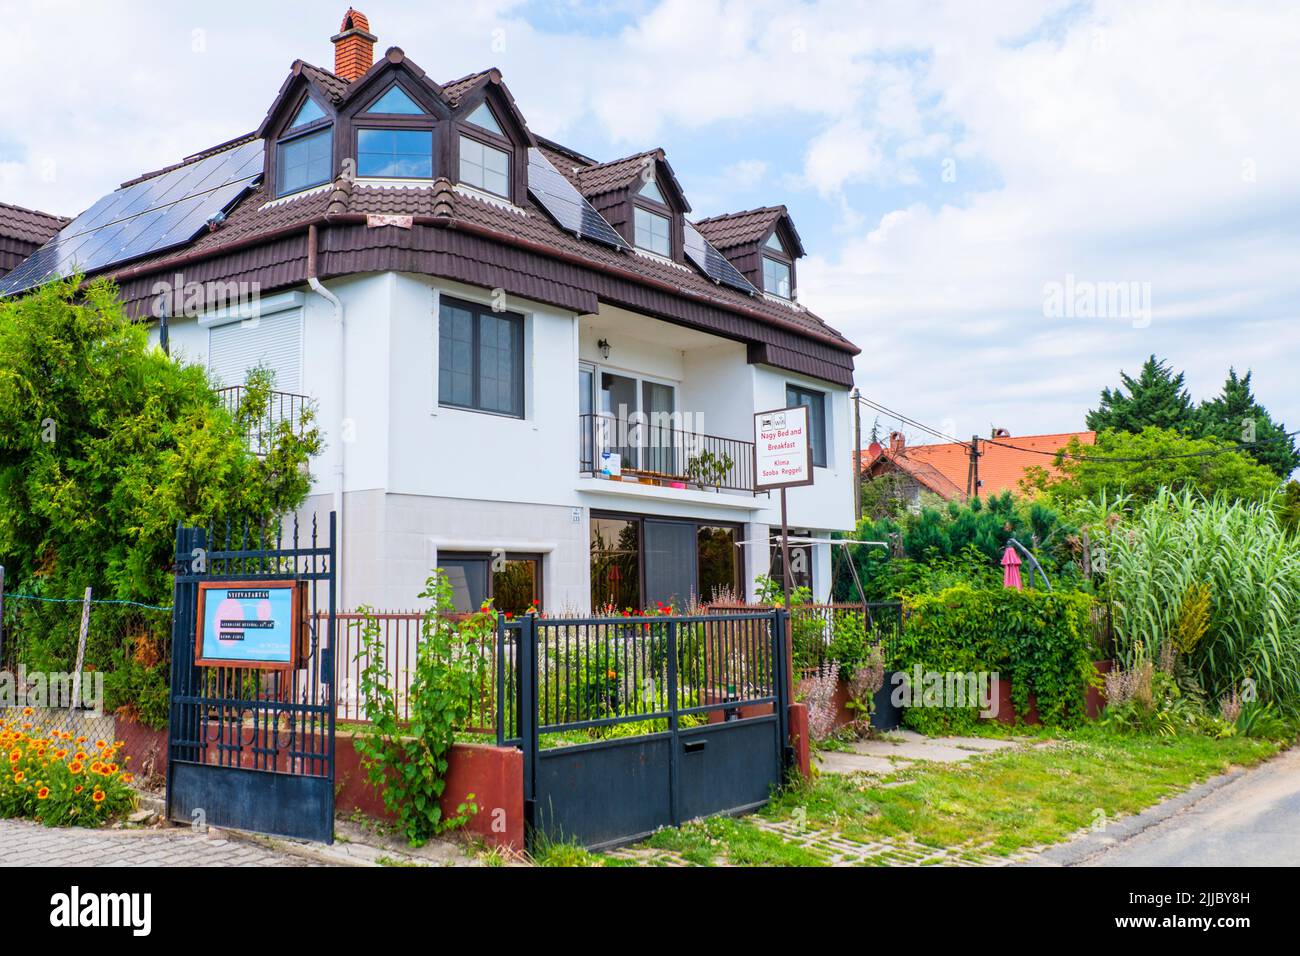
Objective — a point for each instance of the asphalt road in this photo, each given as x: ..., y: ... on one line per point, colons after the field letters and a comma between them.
x: 1252, y: 821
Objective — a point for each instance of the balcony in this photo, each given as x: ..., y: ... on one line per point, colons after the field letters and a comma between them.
x: 655, y: 450
x: 261, y: 429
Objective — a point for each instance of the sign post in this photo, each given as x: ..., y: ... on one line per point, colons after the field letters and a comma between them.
x: 783, y: 459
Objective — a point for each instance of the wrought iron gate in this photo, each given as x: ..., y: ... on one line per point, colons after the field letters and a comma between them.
x: 631, y: 724
x: 254, y: 749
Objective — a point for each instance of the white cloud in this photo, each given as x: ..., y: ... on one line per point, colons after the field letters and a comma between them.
x: 1113, y: 142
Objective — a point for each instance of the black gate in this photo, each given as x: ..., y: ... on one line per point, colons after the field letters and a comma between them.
x: 253, y: 749
x: 631, y: 724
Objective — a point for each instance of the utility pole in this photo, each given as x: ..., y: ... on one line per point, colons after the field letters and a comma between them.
x: 973, y: 472
x: 857, y: 455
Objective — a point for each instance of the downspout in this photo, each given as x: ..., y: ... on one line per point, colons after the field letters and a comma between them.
x: 340, y: 404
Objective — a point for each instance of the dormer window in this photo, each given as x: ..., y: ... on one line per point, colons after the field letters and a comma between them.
x: 304, y: 156
x: 653, y: 232
x: 651, y: 191
x: 307, y: 114
x: 482, y: 118
x: 395, y: 102
x: 395, y: 153
x: 484, y: 167
x: 776, y: 277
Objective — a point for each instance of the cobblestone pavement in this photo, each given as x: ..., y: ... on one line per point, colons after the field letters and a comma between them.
x: 29, y: 844
x: 835, y: 849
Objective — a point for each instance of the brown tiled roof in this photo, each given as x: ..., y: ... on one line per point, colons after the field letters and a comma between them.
x: 740, y: 228
x: 335, y: 87
x: 942, y: 467
x: 455, y: 89
x: 614, y: 175
x: 520, y: 248
x: 29, y: 225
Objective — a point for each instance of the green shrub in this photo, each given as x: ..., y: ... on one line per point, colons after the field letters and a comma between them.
x: 1041, y: 641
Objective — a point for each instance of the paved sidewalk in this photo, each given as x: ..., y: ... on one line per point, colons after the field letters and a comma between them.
x: 23, y: 843
x: 899, y: 749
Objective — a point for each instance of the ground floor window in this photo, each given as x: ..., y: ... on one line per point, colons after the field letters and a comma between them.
x: 513, y: 582
x: 801, y: 559
x: 639, y: 561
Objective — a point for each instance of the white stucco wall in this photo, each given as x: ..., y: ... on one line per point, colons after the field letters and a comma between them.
x: 420, y: 478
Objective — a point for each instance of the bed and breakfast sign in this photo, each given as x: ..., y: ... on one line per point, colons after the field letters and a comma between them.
x: 782, y: 449
x: 257, y: 624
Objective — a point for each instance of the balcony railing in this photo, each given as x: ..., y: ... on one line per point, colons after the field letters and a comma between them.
x: 280, y: 407
x: 656, y: 450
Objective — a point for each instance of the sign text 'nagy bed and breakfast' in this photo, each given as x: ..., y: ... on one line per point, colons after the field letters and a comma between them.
x: 782, y: 448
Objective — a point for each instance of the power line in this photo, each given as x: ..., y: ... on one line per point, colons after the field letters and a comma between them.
x: 1207, y: 453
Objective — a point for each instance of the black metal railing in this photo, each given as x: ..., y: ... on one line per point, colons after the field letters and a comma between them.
x: 590, y: 674
x: 656, y: 448
x: 281, y: 407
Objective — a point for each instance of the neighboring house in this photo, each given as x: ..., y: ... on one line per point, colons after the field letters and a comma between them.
x: 520, y: 356
x: 22, y: 232
x: 943, y: 470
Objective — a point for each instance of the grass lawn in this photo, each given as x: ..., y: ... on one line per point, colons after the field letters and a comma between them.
x: 996, y: 803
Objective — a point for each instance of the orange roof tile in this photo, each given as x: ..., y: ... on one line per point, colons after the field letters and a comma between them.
x: 943, y: 468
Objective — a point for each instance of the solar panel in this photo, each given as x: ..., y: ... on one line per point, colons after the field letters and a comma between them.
x: 162, y: 212
x: 565, y: 204
x: 713, y: 263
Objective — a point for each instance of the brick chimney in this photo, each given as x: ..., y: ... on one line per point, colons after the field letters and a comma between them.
x: 354, y: 47
x: 897, y: 442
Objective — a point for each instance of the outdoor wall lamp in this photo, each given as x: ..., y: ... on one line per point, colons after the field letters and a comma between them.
x: 603, y: 345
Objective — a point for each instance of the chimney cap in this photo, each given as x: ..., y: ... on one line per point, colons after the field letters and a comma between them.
x: 897, y: 442
x: 354, y: 20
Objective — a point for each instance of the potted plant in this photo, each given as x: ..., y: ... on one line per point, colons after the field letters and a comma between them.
x: 707, y: 469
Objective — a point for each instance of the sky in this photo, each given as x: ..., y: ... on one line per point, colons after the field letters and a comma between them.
x: 1003, y: 203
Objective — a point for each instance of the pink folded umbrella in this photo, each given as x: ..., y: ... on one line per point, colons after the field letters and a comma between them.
x: 1011, y: 569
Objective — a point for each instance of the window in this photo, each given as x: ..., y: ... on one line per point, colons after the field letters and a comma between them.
x: 484, y: 167
x: 615, y: 564
x: 776, y: 277
x: 395, y: 153
x: 816, y: 402
x: 774, y: 244
x: 482, y: 118
x: 274, y: 342
x: 304, y: 162
x: 513, y: 588
x: 396, y: 102
x: 480, y: 359
x: 637, y: 562
x: 651, y: 191
x: 719, y: 563
x: 308, y: 113
x: 652, y: 232
x: 801, y: 556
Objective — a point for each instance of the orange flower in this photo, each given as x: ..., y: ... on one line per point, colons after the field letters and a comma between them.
x: 42, y: 793
x: 78, y: 788
x: 60, y: 753
x: 27, y: 711
x: 19, y: 776
x: 100, y: 744
x: 81, y: 740
x: 15, y: 756
x: 75, y: 767
x: 128, y: 777
x: 98, y: 796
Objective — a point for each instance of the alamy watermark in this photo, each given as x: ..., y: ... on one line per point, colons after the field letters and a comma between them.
x: 1076, y: 298
x: 54, y: 690
x: 947, y: 689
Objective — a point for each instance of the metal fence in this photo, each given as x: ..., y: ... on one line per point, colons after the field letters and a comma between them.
x: 282, y: 407
x: 400, y: 635
x: 594, y: 673
x: 664, y: 452
x: 814, y: 627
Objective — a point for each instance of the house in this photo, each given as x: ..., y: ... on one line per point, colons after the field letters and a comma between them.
x: 943, y: 470
x: 533, y: 369
x: 22, y: 232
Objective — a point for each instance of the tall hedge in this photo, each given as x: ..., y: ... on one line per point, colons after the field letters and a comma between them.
x: 1041, y: 641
